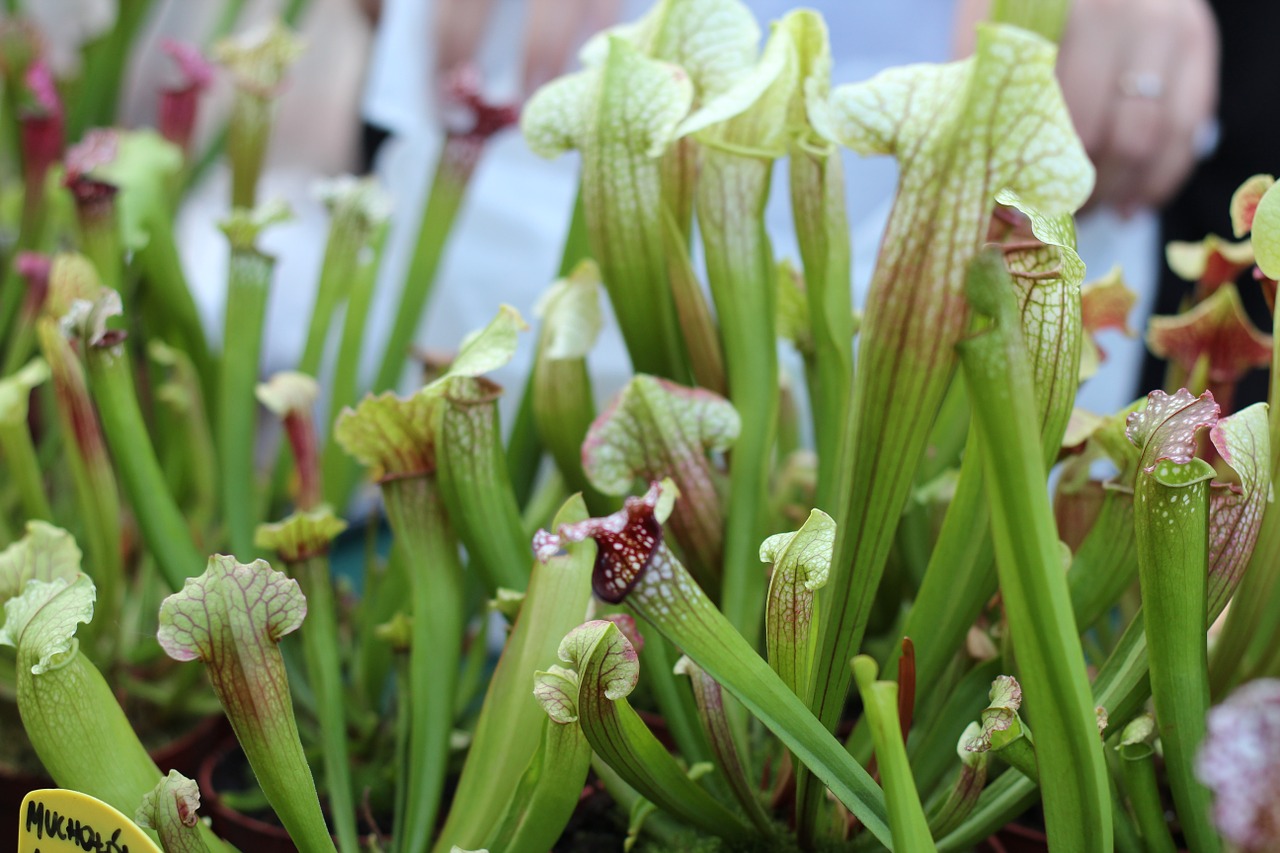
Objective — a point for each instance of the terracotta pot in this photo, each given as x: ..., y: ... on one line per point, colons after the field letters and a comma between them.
x: 184, y: 754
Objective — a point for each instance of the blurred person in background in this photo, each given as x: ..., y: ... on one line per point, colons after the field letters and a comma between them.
x: 1140, y: 78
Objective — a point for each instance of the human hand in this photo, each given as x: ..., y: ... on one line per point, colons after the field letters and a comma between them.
x: 552, y: 32
x: 1140, y: 78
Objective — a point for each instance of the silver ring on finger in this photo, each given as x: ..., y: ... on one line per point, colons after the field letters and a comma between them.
x: 1145, y: 85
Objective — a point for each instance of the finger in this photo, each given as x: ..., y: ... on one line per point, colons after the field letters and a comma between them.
x: 459, y: 26
x: 550, y: 33
x: 1165, y: 174
x: 1192, y: 102
x: 598, y: 15
x: 964, y: 28
x: 1088, y: 64
x: 1139, y: 121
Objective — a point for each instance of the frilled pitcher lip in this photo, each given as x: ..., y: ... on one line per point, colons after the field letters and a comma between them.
x: 626, y: 543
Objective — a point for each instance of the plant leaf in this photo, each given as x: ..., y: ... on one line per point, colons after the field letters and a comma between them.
x: 1266, y: 233
x: 71, y: 277
x: 608, y: 669
x: 395, y: 436
x: 714, y: 41
x: 751, y: 113
x: 233, y: 608
x: 1047, y: 280
x: 801, y: 562
x: 490, y: 347
x: 1244, y: 203
x: 1218, y: 330
x: 390, y: 435
x: 1235, y: 512
x: 1212, y: 262
x: 143, y: 169
x: 15, y: 391
x: 880, y: 701
x: 1166, y: 427
x: 170, y: 809
x: 288, y: 391
x: 626, y: 542
x: 570, y: 313
x: 710, y: 699
x: 301, y: 534
x: 46, y: 553
x: 622, y: 115
x: 359, y: 205
x: 639, y: 117
x: 512, y: 720
x: 666, y: 596
x: 259, y: 58
x: 243, y: 226
x: 557, y: 692
x: 962, y: 133
x: 42, y: 620
x: 1000, y: 722
x: 654, y: 429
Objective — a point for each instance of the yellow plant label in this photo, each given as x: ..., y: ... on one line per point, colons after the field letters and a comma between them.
x: 56, y: 821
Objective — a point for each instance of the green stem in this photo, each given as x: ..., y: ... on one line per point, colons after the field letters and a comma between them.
x: 731, y: 196
x: 403, y: 725
x: 248, y: 284
x: 563, y: 409
x: 100, y: 231
x: 1106, y: 562
x: 1028, y: 560
x: 247, y: 138
x: 706, y: 636
x: 1138, y: 775
x: 385, y: 592
x: 94, y: 480
x: 880, y: 703
x: 1171, y: 510
x: 1252, y: 611
x: 1257, y: 602
x: 437, y: 593
x: 958, y: 582
x: 675, y: 703
x: 697, y: 326
x: 273, y: 748
x: 24, y: 470
x: 475, y: 487
x: 164, y: 529
x: 510, y: 720
x: 324, y: 670
x: 162, y: 268
x: 337, y: 269
x: 524, y: 451
x: 189, y: 444
x: 1021, y: 756
x: 85, y: 742
x: 608, y: 668
x: 818, y: 202
x: 711, y: 709
x: 340, y: 471
x: 448, y: 188
x: 100, y: 79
